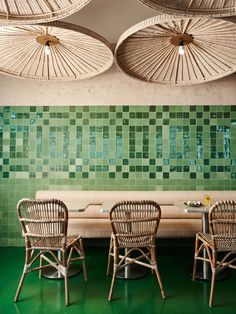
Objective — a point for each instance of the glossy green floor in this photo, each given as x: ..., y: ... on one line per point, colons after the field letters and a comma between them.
x: 133, y: 296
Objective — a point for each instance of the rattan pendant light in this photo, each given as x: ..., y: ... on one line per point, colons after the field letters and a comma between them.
x: 53, y: 51
x: 37, y: 11
x: 214, y: 8
x: 178, y: 50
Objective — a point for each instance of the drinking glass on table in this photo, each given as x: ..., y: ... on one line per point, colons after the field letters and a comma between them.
x: 207, y: 200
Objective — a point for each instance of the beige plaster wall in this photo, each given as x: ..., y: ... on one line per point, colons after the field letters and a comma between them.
x: 114, y: 88
x: 110, y: 18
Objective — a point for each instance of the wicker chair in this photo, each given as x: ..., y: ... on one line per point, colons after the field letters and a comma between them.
x: 222, y: 238
x: 134, y: 225
x: 44, y: 224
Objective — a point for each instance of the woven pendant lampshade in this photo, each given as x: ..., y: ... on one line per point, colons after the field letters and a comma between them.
x: 152, y: 50
x: 211, y: 8
x: 37, y: 11
x: 53, y: 51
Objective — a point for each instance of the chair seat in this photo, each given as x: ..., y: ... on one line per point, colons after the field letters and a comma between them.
x: 220, y: 242
x: 134, y: 241
x: 54, y: 243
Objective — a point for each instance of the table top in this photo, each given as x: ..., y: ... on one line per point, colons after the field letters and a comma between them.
x: 106, y: 206
x: 191, y: 209
x: 80, y: 206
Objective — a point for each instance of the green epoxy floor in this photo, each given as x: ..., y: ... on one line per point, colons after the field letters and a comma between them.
x: 133, y: 296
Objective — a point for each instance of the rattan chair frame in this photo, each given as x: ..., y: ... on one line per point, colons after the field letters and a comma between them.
x: 221, y: 238
x: 134, y: 225
x: 44, y: 225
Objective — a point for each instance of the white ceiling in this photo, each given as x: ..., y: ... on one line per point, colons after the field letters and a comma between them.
x: 110, y: 18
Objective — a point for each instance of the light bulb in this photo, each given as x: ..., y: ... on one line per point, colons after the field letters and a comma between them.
x: 47, y: 48
x: 181, y: 48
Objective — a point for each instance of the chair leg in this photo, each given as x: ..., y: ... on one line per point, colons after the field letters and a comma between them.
x: 160, y: 283
x: 109, y: 257
x: 154, y: 263
x: 65, y: 273
x: 66, y: 289
x: 40, y: 265
x: 28, y: 255
x: 213, y: 267
x: 195, y: 258
x: 112, y: 285
x: 152, y: 269
x: 20, y: 285
x: 116, y: 253
x: 83, y: 260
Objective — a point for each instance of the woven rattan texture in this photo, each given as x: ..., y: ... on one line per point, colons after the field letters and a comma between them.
x: 145, y: 50
x: 135, y: 224
x: 36, y: 11
x: 215, y: 8
x: 79, y: 53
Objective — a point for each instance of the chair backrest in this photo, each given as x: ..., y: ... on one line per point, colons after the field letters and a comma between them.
x: 222, y: 217
x: 44, y: 223
x: 135, y: 223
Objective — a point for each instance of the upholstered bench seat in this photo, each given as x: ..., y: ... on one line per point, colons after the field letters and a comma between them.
x: 93, y: 223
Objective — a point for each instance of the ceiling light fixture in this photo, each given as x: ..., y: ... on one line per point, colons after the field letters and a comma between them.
x: 66, y: 62
x: 181, y: 41
x: 37, y: 11
x: 193, y: 7
x: 47, y: 41
x: 47, y: 48
x: 181, y: 48
x: 158, y: 60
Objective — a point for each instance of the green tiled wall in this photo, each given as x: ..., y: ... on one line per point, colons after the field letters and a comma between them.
x: 112, y: 147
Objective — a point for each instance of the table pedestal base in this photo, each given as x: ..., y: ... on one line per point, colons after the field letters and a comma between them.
x: 132, y: 271
x: 52, y: 273
x: 224, y: 274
